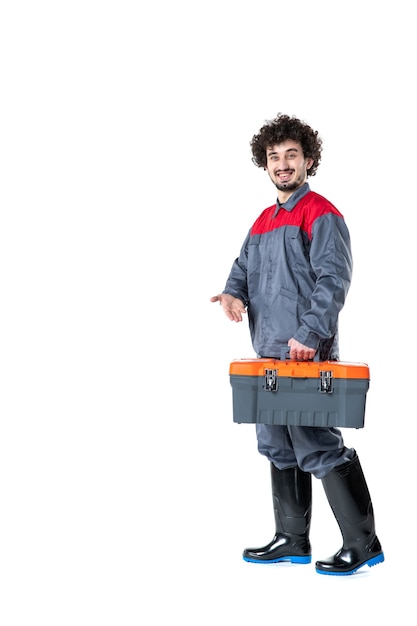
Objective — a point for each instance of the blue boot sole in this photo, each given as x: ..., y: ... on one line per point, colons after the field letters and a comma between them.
x: 374, y: 561
x: 283, y: 559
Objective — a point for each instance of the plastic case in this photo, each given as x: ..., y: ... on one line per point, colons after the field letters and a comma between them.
x: 299, y: 393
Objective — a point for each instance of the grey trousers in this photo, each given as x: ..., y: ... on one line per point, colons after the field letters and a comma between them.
x: 314, y: 450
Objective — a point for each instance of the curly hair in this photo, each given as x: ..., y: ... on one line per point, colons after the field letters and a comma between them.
x: 280, y: 129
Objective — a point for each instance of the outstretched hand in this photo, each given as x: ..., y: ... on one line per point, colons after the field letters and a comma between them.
x: 232, y: 307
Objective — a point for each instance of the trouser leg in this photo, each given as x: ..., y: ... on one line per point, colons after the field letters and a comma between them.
x: 315, y: 450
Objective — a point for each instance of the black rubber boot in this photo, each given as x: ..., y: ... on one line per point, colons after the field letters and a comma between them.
x: 291, y: 493
x: 349, y: 498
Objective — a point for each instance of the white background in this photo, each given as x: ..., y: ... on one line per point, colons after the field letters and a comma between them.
x: 127, y: 494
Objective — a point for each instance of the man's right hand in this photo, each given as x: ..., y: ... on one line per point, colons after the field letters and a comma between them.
x: 232, y: 307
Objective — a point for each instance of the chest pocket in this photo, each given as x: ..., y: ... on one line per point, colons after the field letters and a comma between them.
x: 297, y: 247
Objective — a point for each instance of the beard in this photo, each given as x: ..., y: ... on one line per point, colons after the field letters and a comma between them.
x: 288, y: 186
x: 291, y: 185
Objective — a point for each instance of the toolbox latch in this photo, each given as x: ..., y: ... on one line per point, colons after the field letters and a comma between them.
x: 271, y: 380
x: 326, y: 382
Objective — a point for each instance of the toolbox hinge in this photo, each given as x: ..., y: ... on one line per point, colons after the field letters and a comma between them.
x: 271, y: 380
x: 326, y: 382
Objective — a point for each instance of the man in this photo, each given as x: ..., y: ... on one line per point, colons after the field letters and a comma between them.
x: 292, y: 277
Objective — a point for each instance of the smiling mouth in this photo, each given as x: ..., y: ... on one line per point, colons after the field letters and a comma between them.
x: 284, y: 176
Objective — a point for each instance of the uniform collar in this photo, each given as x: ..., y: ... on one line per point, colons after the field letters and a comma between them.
x: 292, y: 200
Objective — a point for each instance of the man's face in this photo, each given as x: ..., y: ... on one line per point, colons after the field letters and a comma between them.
x: 286, y: 165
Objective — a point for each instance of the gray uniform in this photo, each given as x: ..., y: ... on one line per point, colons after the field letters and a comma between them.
x: 293, y: 274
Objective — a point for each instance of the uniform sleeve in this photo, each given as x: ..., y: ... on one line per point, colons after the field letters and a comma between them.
x: 331, y: 261
x: 236, y: 284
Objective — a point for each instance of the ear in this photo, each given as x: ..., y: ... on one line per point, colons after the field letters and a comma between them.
x: 309, y: 163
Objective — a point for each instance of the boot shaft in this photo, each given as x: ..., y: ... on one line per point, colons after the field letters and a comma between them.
x: 292, y: 499
x: 349, y: 498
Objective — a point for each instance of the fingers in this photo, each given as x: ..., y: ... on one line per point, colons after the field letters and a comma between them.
x: 300, y: 352
x: 235, y: 314
x: 232, y: 307
x: 302, y: 355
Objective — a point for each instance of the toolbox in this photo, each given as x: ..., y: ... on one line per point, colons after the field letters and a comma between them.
x: 299, y: 393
